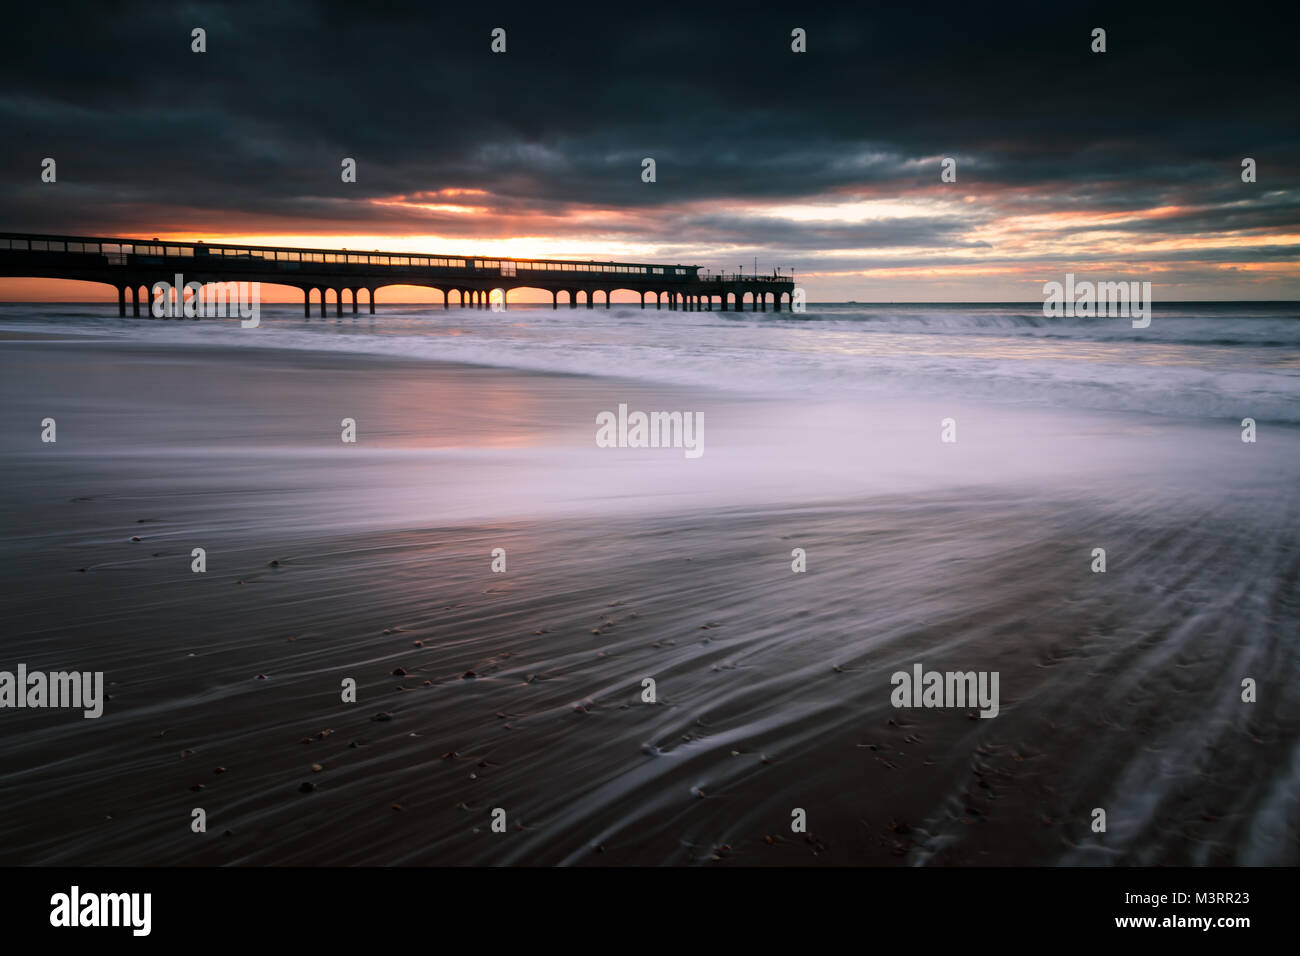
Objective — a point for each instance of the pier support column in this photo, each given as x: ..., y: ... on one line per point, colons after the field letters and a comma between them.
x: 338, y: 303
x: 643, y: 300
x: 354, y: 301
x: 322, y: 301
x: 607, y: 298
x: 372, y: 301
x: 306, y: 303
x: 777, y: 305
x: 555, y: 299
x: 763, y: 297
x: 659, y: 300
x: 121, y: 301
x: 590, y: 304
x: 446, y: 299
x: 573, y: 298
x: 135, y: 302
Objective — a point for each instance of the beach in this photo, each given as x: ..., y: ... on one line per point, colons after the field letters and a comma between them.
x: 524, y: 690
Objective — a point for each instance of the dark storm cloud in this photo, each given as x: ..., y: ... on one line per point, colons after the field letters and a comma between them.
x: 251, y: 133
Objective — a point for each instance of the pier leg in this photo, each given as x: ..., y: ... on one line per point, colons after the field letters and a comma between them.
x: 643, y: 300
x: 135, y: 302
x: 121, y: 301
x: 590, y: 304
x: 777, y: 306
x: 607, y: 298
x: 322, y: 302
x: 306, y: 303
x: 354, y: 301
x: 372, y: 301
x: 338, y: 303
x: 659, y: 300
x: 446, y: 299
x: 555, y: 299
x: 573, y: 298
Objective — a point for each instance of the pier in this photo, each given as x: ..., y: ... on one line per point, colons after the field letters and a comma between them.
x: 133, y: 266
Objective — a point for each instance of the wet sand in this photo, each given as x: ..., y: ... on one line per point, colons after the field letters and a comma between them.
x: 522, y: 690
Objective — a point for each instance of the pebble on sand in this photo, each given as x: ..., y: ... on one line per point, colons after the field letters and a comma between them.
x: 468, y: 675
x: 136, y: 537
x: 307, y: 787
x: 316, y: 768
x: 383, y: 715
x: 274, y: 564
x: 398, y: 672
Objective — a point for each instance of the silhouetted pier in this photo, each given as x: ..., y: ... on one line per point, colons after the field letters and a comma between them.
x: 133, y: 266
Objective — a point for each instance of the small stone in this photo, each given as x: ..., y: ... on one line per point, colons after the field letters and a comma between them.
x: 136, y: 537
x: 219, y: 770
x: 186, y: 753
x: 383, y: 716
x: 450, y: 755
x: 261, y: 677
x: 397, y: 806
x: 307, y: 787
x: 197, y: 787
x: 274, y: 564
x: 417, y: 643
x: 316, y: 768
x: 468, y: 675
x: 398, y: 672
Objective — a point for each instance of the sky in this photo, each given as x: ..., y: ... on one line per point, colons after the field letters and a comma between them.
x: 1125, y: 164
